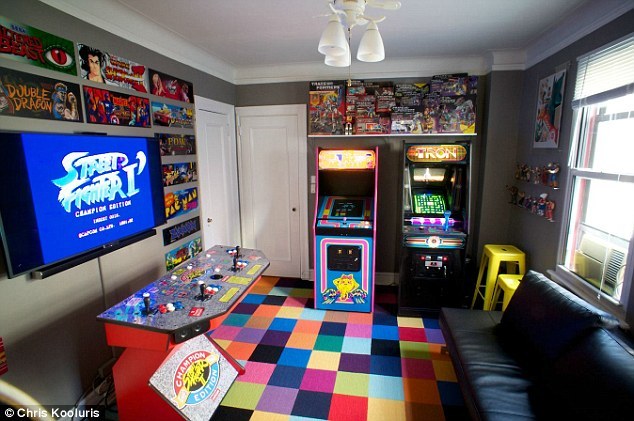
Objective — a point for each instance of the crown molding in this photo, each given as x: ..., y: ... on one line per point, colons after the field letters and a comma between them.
x: 583, y: 21
x: 117, y: 19
x: 113, y: 17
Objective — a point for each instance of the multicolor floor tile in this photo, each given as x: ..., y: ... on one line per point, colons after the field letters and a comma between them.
x: 308, y: 364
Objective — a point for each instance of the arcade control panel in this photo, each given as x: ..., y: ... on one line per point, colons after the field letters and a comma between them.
x: 182, y: 302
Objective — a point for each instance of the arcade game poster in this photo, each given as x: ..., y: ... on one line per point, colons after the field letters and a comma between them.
x: 172, y: 116
x: 182, y: 253
x: 27, y: 95
x: 30, y: 45
x: 180, y: 202
x: 550, y: 98
x: 103, y: 67
x: 170, y: 87
x: 176, y: 144
x: 107, y: 107
x: 179, y: 173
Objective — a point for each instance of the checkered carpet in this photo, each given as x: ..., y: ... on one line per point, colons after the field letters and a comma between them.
x: 303, y: 363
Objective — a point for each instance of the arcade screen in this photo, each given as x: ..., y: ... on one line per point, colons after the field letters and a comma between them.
x: 429, y: 203
x: 65, y: 195
x: 349, y: 208
x: 429, y: 174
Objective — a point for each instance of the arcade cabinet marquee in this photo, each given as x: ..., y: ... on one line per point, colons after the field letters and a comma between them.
x: 345, y: 229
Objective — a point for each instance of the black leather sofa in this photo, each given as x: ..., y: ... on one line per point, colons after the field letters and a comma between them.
x: 549, y: 356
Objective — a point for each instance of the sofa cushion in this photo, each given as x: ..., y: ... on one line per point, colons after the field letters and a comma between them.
x: 542, y: 319
x: 595, y: 378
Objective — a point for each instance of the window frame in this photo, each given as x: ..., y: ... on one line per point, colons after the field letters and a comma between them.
x: 561, y: 273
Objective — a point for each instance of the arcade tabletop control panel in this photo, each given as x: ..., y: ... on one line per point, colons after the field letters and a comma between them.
x: 182, y: 302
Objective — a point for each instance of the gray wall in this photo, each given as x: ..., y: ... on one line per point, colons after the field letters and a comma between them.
x: 54, y: 345
x: 538, y: 237
x: 390, y: 163
x: 53, y: 342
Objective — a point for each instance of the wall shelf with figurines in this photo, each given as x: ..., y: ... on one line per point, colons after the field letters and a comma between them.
x: 539, y: 205
x: 546, y: 175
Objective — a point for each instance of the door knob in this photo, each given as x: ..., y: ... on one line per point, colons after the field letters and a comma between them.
x: 294, y: 209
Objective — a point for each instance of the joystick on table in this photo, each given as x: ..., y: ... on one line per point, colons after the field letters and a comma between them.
x: 146, y: 303
x: 235, y: 263
x: 237, y: 251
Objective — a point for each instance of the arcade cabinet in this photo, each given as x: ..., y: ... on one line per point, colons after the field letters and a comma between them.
x: 170, y: 368
x: 345, y: 229
x: 435, y: 202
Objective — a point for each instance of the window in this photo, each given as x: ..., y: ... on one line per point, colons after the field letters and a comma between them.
x: 597, y: 245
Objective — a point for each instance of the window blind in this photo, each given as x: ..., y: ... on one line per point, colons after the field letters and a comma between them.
x: 605, y: 73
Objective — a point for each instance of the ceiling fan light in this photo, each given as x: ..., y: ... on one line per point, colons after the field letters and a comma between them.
x: 371, y: 46
x: 333, y: 39
x: 343, y: 60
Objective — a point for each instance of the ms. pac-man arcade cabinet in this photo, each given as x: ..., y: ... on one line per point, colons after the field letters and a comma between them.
x: 345, y: 229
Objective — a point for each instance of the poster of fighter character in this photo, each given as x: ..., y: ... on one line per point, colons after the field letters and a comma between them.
x: 170, y: 87
x: 30, y: 45
x: 27, y: 95
x: 107, y: 107
x: 104, y: 67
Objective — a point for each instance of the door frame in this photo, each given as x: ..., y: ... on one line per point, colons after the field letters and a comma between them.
x: 223, y: 109
x: 302, y: 146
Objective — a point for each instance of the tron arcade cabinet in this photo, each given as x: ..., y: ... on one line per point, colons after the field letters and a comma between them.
x: 435, y: 201
x: 345, y: 229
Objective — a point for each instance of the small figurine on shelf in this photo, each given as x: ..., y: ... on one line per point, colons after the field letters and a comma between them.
x: 521, y: 197
x: 514, y: 192
x: 537, y: 175
x: 541, y: 204
x: 550, y: 208
x: 518, y: 171
x: 526, y: 172
x: 553, y: 174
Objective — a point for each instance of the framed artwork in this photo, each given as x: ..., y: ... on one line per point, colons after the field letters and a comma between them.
x: 550, y: 97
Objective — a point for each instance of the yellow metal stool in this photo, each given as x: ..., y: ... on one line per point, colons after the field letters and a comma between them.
x: 493, y: 256
x: 506, y: 284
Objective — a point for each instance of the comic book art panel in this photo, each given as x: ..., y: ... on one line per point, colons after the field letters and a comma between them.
x: 172, y: 116
x: 179, y: 173
x: 168, y: 86
x: 103, y: 67
x: 30, y: 45
x: 27, y: 95
x: 176, y: 144
x: 550, y: 98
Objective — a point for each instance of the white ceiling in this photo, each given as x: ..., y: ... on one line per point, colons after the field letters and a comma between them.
x: 257, y: 41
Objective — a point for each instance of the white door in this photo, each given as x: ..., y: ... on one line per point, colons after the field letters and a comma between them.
x: 218, y: 173
x: 273, y: 194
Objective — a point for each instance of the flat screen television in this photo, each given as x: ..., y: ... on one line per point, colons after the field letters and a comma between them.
x: 65, y: 197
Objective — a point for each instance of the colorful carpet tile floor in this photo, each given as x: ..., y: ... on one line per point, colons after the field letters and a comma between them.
x: 306, y: 364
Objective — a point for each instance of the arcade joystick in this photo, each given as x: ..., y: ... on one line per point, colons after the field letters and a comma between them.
x: 146, y: 302
x: 238, y: 251
x: 235, y: 263
x: 202, y: 286
x: 446, y: 223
